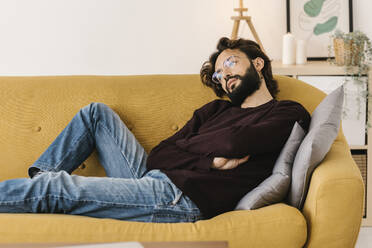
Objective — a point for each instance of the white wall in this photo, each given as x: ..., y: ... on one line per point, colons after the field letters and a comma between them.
x: 121, y: 37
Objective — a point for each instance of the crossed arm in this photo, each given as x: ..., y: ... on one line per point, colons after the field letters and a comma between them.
x: 219, y: 163
x: 228, y: 147
x: 233, y: 145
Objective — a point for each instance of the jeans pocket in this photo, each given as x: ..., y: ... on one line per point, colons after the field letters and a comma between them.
x: 177, y: 196
x: 174, y: 193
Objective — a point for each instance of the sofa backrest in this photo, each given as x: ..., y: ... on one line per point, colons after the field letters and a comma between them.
x: 34, y: 110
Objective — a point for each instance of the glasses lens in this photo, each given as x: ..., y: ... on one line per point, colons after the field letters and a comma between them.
x: 230, y: 62
x: 216, y: 77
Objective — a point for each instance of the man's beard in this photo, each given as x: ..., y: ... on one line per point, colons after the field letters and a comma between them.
x: 249, y: 83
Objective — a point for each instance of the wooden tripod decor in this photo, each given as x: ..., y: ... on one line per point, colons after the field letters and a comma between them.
x: 237, y: 20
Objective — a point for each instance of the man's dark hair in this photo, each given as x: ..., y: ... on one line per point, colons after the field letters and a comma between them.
x: 252, y: 50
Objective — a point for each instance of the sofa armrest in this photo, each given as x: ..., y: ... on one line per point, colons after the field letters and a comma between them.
x: 334, y: 204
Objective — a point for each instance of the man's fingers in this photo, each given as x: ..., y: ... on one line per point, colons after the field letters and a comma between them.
x: 243, y: 160
x: 231, y: 164
x: 227, y: 164
x: 219, y: 162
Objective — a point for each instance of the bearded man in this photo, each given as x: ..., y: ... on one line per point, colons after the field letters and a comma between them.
x: 224, y: 151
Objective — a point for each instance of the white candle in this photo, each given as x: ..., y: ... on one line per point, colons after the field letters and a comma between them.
x: 301, y: 52
x: 289, y: 49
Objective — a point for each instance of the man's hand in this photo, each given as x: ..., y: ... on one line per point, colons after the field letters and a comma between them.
x: 221, y: 163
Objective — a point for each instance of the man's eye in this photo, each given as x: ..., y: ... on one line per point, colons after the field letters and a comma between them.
x: 230, y: 63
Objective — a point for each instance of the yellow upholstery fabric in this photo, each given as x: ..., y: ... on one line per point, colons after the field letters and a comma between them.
x: 34, y: 110
x: 259, y: 228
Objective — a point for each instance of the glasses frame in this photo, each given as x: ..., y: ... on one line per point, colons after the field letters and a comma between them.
x: 226, y: 64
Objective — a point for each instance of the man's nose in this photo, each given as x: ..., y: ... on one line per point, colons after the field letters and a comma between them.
x: 226, y: 73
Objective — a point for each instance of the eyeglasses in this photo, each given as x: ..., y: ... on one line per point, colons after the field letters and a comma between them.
x: 229, y: 63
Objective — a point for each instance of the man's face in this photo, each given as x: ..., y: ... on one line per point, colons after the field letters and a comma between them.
x: 237, y: 76
x: 240, y: 65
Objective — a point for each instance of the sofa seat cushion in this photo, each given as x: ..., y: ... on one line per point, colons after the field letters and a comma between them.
x: 277, y: 225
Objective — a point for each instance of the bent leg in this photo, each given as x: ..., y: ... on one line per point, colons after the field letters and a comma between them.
x: 95, y: 126
x: 149, y: 199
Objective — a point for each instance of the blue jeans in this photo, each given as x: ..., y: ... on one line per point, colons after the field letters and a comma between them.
x: 129, y: 192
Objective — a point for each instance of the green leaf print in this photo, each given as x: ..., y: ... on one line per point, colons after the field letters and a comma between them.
x: 326, y: 27
x: 313, y: 7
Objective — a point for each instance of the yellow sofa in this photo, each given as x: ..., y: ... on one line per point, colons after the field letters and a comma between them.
x: 34, y: 110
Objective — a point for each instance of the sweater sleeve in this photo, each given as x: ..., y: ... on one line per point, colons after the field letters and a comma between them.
x: 162, y: 155
x: 237, y: 141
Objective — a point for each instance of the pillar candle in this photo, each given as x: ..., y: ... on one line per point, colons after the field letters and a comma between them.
x: 301, y: 52
x: 289, y: 49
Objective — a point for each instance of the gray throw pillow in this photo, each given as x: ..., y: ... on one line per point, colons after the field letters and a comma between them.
x: 274, y: 188
x: 323, y: 130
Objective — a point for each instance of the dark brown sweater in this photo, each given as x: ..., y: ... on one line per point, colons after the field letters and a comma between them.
x: 220, y: 129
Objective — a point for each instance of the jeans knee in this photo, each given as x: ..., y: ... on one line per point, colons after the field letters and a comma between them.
x: 95, y: 108
x: 98, y: 106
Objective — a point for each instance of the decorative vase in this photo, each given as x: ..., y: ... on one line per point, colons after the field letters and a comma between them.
x: 347, y: 52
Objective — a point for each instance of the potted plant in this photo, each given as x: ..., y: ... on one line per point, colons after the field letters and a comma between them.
x: 353, y: 51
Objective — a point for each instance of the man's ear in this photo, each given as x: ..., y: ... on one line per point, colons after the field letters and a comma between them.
x: 258, y: 64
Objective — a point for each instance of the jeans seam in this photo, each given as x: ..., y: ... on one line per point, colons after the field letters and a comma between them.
x: 74, y: 200
x: 58, y: 165
x: 186, y: 216
x: 116, y: 143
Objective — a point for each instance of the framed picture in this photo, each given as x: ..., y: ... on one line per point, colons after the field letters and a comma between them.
x: 316, y: 20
